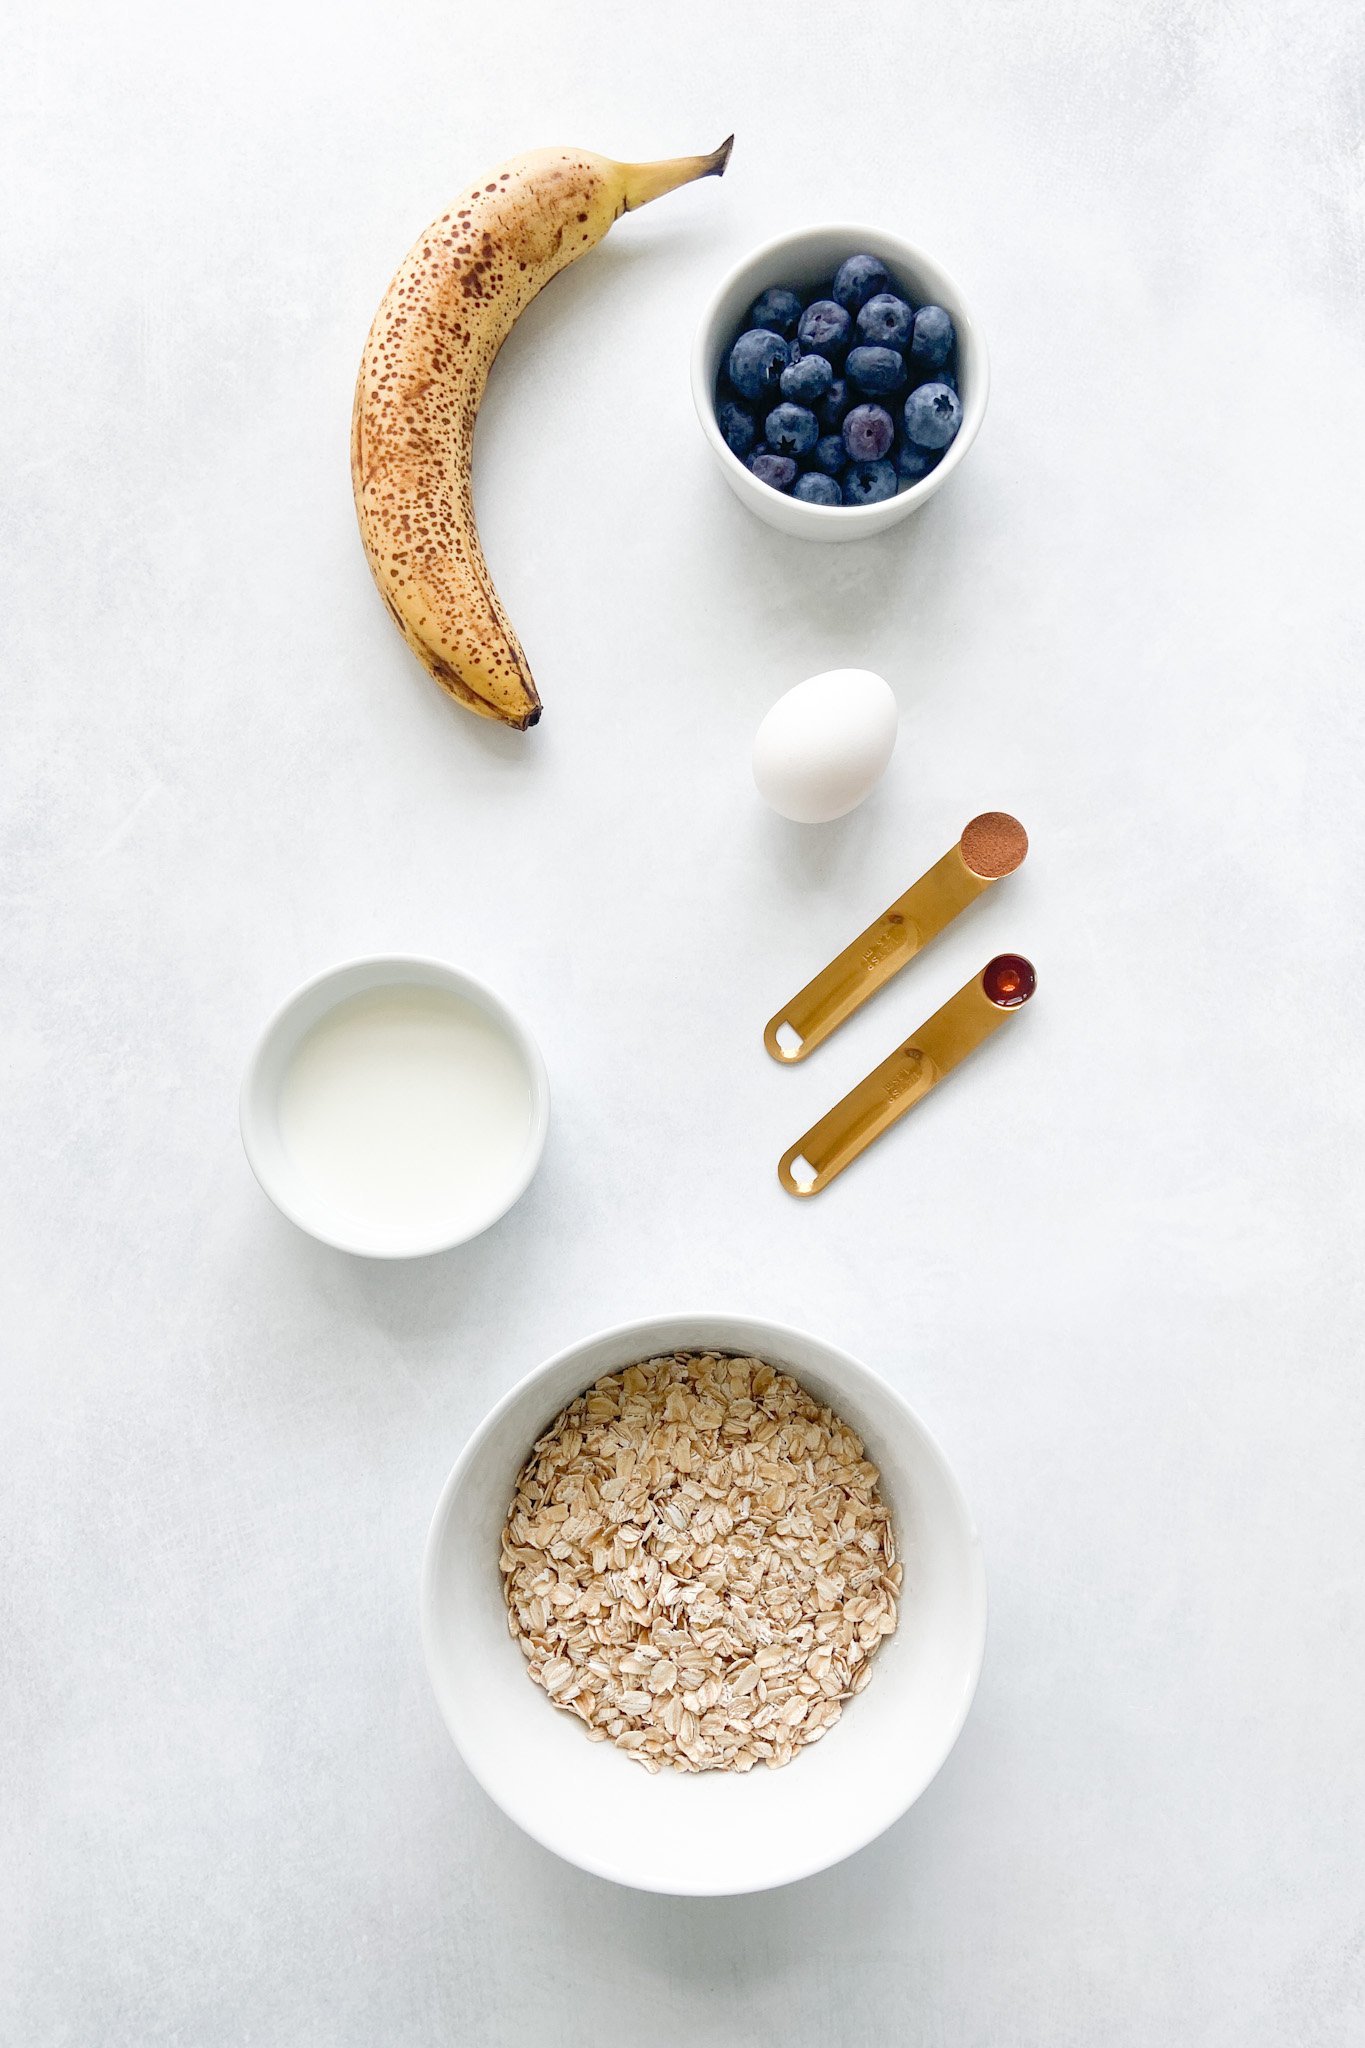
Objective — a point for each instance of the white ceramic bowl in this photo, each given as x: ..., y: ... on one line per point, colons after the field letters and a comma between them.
x: 802, y: 259
x: 714, y: 1832
x: 293, y: 1192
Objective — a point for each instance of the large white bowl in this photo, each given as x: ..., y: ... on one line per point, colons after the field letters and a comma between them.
x: 714, y: 1832
x: 805, y: 258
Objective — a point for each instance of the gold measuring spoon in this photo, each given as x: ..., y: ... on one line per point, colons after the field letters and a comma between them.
x: 915, y: 1067
x: 992, y: 846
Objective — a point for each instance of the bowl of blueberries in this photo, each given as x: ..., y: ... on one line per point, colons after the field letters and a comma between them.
x: 839, y: 380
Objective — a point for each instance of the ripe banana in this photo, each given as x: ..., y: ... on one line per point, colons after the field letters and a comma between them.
x: 443, y: 319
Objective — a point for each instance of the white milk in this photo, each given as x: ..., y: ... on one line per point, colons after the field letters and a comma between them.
x: 405, y: 1108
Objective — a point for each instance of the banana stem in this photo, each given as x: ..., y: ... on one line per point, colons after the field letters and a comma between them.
x: 644, y: 182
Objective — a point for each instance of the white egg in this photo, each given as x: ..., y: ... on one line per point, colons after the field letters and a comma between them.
x: 825, y: 745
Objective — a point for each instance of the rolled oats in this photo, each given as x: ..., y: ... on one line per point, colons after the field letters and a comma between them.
x: 698, y: 1563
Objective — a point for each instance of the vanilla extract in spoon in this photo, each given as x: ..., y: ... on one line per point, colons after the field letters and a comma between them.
x: 1002, y: 988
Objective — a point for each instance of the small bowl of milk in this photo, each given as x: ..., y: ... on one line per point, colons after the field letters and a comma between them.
x: 395, y: 1107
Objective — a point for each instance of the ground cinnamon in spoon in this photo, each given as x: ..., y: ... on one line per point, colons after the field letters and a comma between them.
x: 993, y: 845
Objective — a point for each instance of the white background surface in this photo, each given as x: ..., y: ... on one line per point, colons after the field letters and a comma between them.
x: 1115, y: 1263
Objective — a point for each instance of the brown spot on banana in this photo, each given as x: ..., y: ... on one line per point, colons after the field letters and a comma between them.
x: 443, y: 319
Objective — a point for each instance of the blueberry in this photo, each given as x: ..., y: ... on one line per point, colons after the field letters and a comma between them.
x: 777, y: 470
x: 829, y: 454
x: 933, y: 415
x: 737, y: 426
x: 875, y: 370
x: 757, y: 360
x: 913, y: 463
x: 920, y: 373
x: 824, y: 328
x: 814, y: 489
x: 867, y: 483
x: 886, y: 319
x: 776, y: 308
x: 791, y: 429
x: 808, y: 378
x: 931, y: 341
x: 868, y: 432
x: 833, y: 406
x: 858, y: 280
